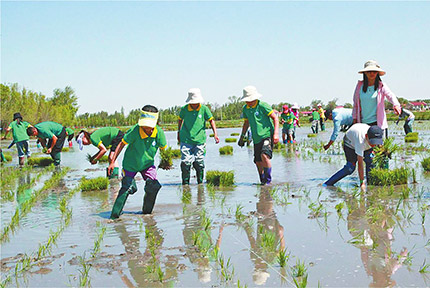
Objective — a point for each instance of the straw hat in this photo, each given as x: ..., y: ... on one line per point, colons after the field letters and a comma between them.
x: 372, y: 65
x: 194, y: 96
x: 250, y: 93
x: 295, y: 106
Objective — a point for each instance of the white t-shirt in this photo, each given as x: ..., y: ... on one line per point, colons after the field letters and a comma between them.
x: 355, y: 138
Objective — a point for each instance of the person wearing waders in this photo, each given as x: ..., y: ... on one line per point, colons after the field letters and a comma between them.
x: 322, y: 117
x: 295, y: 111
x: 56, y: 135
x: 342, y: 117
x: 102, y: 138
x: 287, y: 119
x: 265, y: 131
x: 409, y: 120
x: 192, y: 135
x: 143, y: 140
x: 70, y: 134
x: 315, y: 120
x: 20, y: 137
x: 359, y: 139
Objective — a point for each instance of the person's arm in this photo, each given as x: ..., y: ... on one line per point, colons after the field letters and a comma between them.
x: 213, y: 126
x: 356, y: 103
x: 42, y: 142
x: 245, y: 127
x: 360, y: 164
x: 54, y: 140
x: 336, y: 129
x: 392, y: 98
x: 276, y: 124
x: 115, y: 156
x: 5, y: 134
x: 179, y: 129
x: 98, y: 155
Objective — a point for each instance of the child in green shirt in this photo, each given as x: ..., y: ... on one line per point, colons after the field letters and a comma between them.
x: 143, y: 140
x: 264, y: 127
x: 56, y: 135
x: 315, y: 120
x: 192, y: 135
x: 20, y: 137
x: 287, y: 119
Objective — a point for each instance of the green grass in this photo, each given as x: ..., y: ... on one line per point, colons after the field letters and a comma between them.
x: 99, y: 183
x: 220, y: 178
x: 411, y: 137
x: 41, y: 161
x: 226, y: 150
x: 384, y: 177
x: 312, y: 135
x: 234, y: 134
x: 426, y: 164
x: 230, y: 140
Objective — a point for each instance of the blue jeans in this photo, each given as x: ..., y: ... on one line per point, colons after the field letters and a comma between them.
x: 22, y: 148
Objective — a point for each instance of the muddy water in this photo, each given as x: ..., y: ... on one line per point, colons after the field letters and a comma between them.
x: 376, y: 238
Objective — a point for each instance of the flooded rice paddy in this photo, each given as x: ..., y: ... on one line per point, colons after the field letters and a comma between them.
x: 204, y: 236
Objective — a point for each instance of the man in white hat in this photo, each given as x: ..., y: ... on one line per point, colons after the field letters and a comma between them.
x: 192, y: 135
x: 265, y: 131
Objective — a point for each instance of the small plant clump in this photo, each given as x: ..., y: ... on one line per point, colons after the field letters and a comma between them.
x: 411, y: 137
x: 230, y: 140
x: 312, y: 135
x: 384, y: 177
x: 40, y: 161
x: 226, y: 150
x: 234, y: 134
x: 167, y: 155
x: 220, y: 178
x: 278, y: 146
x: 99, y: 183
x: 426, y: 164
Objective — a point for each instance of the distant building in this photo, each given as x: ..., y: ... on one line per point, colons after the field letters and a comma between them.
x: 418, y: 105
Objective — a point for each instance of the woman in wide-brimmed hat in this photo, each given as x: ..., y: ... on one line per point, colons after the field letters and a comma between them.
x: 20, y: 137
x: 370, y: 95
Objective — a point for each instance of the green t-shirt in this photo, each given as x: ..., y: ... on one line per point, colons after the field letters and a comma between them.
x: 142, y: 148
x: 19, y: 132
x: 259, y: 120
x: 315, y: 115
x: 288, y: 120
x: 48, y: 129
x: 104, y: 135
x: 193, y: 124
x: 70, y: 131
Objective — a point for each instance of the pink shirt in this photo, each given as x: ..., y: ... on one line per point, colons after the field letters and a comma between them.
x: 383, y: 92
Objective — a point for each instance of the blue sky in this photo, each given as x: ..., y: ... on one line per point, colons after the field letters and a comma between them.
x: 128, y: 54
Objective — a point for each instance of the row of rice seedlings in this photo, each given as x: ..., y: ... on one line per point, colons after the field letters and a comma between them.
x: 26, y: 207
x: 10, y: 174
x: 220, y: 178
x: 226, y: 150
x: 384, y: 177
x: 411, y: 137
x: 153, y: 244
x: 230, y: 140
x: 99, y: 183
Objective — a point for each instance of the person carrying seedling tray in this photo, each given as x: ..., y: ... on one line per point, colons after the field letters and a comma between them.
x: 265, y: 131
x: 20, y: 137
x: 359, y: 139
x: 70, y: 134
x: 102, y: 138
x: 143, y: 140
x: 56, y: 135
x: 287, y: 119
x: 192, y: 135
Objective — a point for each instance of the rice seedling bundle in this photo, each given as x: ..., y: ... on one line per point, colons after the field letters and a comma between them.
x: 230, y: 140
x: 103, y: 159
x: 312, y: 135
x: 211, y: 135
x: 226, y: 150
x: 234, y: 134
x: 166, y: 155
x: 65, y: 149
x: 385, y: 177
x: 99, y: 183
x: 40, y: 161
x: 8, y: 157
x: 220, y: 178
x: 411, y: 137
x: 278, y: 146
x: 426, y: 164
x: 383, y: 153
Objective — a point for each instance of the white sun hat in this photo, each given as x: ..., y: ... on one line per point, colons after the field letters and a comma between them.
x: 295, y: 106
x: 372, y: 65
x: 194, y: 96
x: 250, y: 93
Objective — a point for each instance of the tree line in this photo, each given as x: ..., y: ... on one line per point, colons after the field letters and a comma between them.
x: 62, y: 107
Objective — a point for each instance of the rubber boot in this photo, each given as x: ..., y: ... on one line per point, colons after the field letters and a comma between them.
x: 368, y: 159
x: 348, y: 169
x: 185, y: 169
x: 268, y: 174
x: 114, y: 174
x: 151, y: 190
x: 200, y: 171
x: 21, y: 161
x: 262, y: 178
x: 57, y: 158
x: 128, y: 186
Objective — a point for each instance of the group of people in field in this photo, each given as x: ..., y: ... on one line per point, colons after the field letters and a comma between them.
x: 364, y: 125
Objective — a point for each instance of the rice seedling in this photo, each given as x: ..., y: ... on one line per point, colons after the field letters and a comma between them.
x: 278, y: 146
x: 268, y: 241
x: 423, y: 211
x: 230, y: 140
x: 383, y: 153
x: 160, y: 274
x: 339, y: 208
x: 239, y: 214
x: 84, y: 277
x: 383, y: 177
x: 226, y: 268
x: 226, y: 150
x: 300, y: 274
x: 40, y: 161
x: 283, y: 257
x: 220, y: 178
x: 235, y: 134
x: 99, y: 183
x: 65, y: 149
x: 425, y: 268
x: 312, y: 135
x: 425, y: 163
x: 211, y: 135
x: 411, y: 137
x: 103, y: 159
x: 98, y: 241
x: 167, y: 155
x: 8, y: 157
